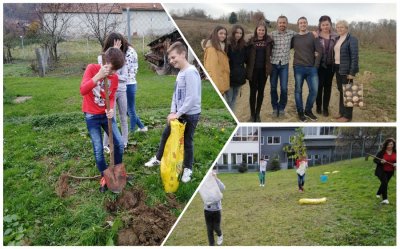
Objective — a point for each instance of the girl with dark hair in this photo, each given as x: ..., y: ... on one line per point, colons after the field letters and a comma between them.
x: 258, y: 68
x: 326, y: 71
x: 126, y: 96
x: 237, y: 59
x: 116, y: 40
x: 385, y: 165
x: 216, y: 60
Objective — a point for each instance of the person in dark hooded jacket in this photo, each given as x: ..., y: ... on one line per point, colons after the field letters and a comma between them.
x: 385, y: 165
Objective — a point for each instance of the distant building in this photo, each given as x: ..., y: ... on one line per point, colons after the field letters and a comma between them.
x: 144, y: 18
x: 251, y: 143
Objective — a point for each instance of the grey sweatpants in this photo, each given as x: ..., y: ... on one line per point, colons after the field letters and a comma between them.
x: 121, y: 102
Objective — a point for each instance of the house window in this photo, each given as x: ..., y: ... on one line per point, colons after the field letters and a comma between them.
x: 246, y: 134
x: 224, y: 158
x: 238, y: 158
x: 250, y: 158
x: 244, y: 158
x: 266, y: 157
x: 273, y: 140
x: 310, y: 131
x: 233, y: 159
x: 327, y: 130
x: 316, y: 157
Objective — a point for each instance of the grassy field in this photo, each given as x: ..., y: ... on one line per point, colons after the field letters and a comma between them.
x: 380, y: 91
x: 47, y: 136
x: 253, y: 215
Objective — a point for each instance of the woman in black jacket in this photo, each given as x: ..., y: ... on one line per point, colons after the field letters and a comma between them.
x: 346, y: 65
x: 385, y: 165
x: 237, y: 58
x: 258, y: 67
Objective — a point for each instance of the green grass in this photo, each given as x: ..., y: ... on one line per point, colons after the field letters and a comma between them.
x: 47, y: 136
x: 253, y: 215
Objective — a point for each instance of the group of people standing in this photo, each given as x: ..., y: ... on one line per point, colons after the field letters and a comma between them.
x: 318, y: 56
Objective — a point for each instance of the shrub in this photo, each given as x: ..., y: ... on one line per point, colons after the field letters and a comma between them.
x: 275, y: 164
x: 242, y: 168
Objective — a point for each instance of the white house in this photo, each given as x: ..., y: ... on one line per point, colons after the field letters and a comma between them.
x: 141, y: 19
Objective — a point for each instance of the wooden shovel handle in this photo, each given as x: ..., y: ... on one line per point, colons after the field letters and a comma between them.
x: 109, y: 120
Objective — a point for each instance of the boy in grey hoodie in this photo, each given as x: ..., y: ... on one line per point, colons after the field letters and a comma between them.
x: 185, y: 106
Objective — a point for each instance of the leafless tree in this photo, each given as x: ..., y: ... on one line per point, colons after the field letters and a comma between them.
x: 55, y: 20
x: 100, y: 19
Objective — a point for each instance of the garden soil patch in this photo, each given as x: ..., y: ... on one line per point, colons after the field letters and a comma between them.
x: 143, y: 225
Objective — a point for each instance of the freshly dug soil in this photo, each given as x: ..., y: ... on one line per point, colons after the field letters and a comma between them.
x: 143, y: 225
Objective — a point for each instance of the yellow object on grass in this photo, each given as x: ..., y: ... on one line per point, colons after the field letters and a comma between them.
x: 172, y: 160
x: 327, y: 172
x: 336, y: 171
x: 312, y: 201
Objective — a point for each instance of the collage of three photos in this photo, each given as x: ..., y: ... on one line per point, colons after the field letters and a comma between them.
x: 166, y: 124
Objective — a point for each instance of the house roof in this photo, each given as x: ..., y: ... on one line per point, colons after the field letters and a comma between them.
x: 101, y: 7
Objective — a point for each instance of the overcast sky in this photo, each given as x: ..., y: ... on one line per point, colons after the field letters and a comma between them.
x: 347, y: 11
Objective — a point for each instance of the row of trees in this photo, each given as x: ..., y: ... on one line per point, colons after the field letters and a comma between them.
x: 48, y: 24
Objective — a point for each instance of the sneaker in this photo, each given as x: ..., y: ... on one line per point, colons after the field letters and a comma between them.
x: 260, y: 185
x: 310, y: 115
x: 263, y: 185
x: 103, y: 186
x: 153, y: 162
x: 144, y: 129
x: 258, y: 119
x: 319, y: 110
x: 385, y: 201
x: 275, y: 113
x: 106, y: 149
x: 325, y: 113
x: 187, y: 175
x: 302, y: 117
x: 282, y: 113
x: 378, y: 196
x: 220, y: 239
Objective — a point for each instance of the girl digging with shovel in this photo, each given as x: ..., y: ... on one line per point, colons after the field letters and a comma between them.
x: 97, y: 107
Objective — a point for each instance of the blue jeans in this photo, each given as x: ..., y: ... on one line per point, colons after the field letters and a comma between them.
x: 310, y: 74
x: 131, y: 96
x: 301, y: 180
x: 281, y: 72
x: 94, y: 123
x: 230, y: 96
x: 191, y: 123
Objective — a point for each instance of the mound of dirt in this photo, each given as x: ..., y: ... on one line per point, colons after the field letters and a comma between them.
x: 146, y: 226
x: 62, y: 187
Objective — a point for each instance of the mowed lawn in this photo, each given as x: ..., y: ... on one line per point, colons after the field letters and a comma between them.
x: 254, y: 215
x: 47, y: 136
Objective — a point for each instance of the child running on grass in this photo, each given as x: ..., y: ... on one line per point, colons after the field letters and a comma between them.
x: 185, y: 106
x: 94, y: 107
x: 212, y: 214
x: 301, y: 166
x: 263, y: 169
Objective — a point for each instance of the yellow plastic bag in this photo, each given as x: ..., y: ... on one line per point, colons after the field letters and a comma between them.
x: 172, y: 160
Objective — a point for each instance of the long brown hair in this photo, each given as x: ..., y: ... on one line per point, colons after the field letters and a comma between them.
x: 236, y: 45
x: 109, y: 42
x: 259, y: 24
x: 214, y: 39
x: 387, y: 141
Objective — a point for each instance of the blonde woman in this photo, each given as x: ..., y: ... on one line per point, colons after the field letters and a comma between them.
x: 346, y: 65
